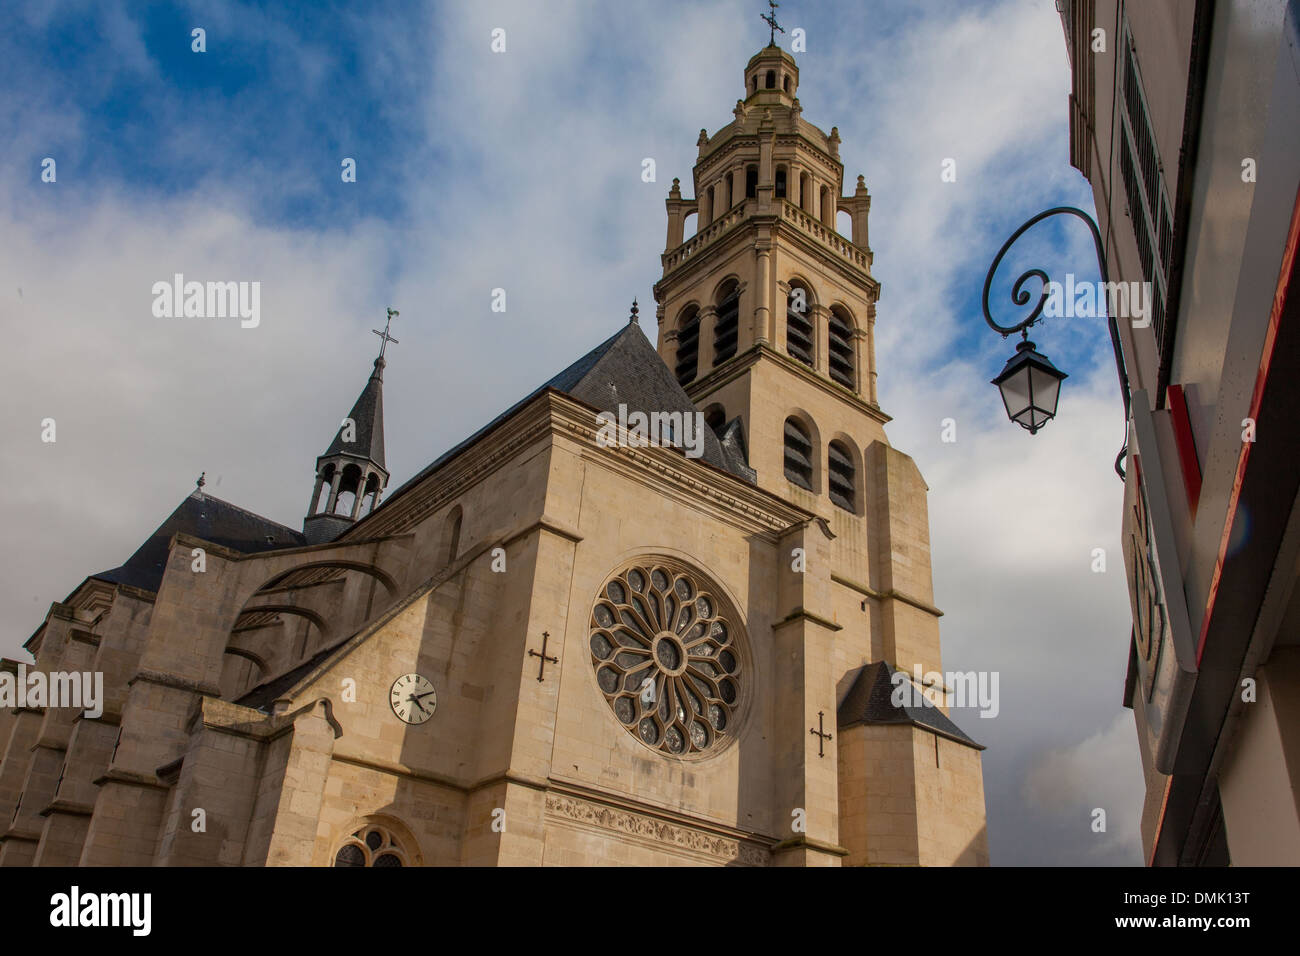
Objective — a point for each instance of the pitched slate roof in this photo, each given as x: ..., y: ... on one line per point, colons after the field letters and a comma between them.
x: 625, y: 369
x: 368, y: 416
x: 211, y: 519
x: 868, y: 702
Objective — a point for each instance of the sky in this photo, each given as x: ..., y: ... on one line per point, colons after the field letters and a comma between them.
x: 522, y: 170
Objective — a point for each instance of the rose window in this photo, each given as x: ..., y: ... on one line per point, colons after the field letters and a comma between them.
x: 665, y: 659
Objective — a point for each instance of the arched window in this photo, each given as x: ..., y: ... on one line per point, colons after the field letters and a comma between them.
x: 753, y: 82
x: 787, y: 84
x: 805, y: 192
x: 715, y: 417
x: 688, y: 345
x: 798, y: 454
x: 780, y: 182
x: 451, y: 534
x: 751, y: 182
x: 711, y: 213
x: 839, y: 476
x: 321, y: 505
x: 726, y: 326
x: 371, y: 846
x: 771, y: 79
x: 828, y: 216
x: 349, y: 489
x: 798, y: 324
x: 840, y: 342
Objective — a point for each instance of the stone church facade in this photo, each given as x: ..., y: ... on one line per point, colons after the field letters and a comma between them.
x: 546, y: 648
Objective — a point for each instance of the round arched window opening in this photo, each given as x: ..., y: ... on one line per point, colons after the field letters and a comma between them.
x: 667, y: 658
x: 371, y: 846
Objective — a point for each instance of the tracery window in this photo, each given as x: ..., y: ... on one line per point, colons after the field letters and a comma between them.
x: 372, y: 845
x: 666, y: 659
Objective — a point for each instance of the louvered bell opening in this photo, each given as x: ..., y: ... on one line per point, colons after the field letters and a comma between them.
x: 798, y: 455
x: 841, y: 352
x: 840, y: 478
x: 725, y: 331
x: 688, y: 351
x: 798, y: 336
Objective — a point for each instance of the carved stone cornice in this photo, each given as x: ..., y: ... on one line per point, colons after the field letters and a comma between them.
x: 653, y: 831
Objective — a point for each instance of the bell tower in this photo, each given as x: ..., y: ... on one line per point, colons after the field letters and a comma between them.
x: 767, y: 318
x: 766, y: 314
x: 350, y: 476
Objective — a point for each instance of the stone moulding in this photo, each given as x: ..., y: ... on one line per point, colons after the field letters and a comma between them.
x: 655, y: 831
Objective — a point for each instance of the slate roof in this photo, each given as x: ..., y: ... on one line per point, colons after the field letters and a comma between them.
x: 868, y: 702
x: 212, y: 520
x: 368, y: 415
x: 626, y: 369
x: 264, y: 695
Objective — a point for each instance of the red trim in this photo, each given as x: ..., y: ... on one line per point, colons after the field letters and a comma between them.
x: 1186, y: 443
x: 1256, y: 399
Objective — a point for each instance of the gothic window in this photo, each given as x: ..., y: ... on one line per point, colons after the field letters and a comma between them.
x: 451, y: 534
x: 840, y: 476
x: 726, y: 327
x: 780, y: 182
x: 787, y: 84
x: 798, y: 454
x: 371, y: 846
x: 840, y: 341
x: 771, y: 80
x: 666, y: 658
x: 688, y: 346
x: 798, y: 324
x: 751, y: 182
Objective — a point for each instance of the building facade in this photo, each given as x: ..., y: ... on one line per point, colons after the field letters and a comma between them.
x: 550, y: 647
x: 1185, y: 117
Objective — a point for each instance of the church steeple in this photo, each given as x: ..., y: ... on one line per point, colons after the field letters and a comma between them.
x: 766, y: 314
x: 350, y: 476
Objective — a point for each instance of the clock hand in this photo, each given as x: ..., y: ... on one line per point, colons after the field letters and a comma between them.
x: 426, y: 694
x: 417, y: 703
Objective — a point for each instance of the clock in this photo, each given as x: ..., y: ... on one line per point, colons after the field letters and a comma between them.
x: 413, y: 698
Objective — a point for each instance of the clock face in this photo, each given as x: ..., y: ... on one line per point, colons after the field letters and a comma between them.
x: 413, y: 698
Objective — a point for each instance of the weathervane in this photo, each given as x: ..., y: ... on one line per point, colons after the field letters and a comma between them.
x: 770, y: 20
x: 392, y: 313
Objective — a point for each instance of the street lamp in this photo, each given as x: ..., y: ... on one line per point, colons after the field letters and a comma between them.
x: 1030, y: 384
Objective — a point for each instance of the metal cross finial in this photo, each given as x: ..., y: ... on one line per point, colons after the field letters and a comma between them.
x: 392, y: 314
x: 770, y: 20
x: 632, y: 319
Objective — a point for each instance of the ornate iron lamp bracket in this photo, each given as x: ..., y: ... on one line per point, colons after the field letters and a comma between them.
x: 1020, y: 296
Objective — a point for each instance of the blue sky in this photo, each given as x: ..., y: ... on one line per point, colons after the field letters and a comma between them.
x: 522, y: 171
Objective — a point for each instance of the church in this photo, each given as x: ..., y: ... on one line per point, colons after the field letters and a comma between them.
x: 546, y: 647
